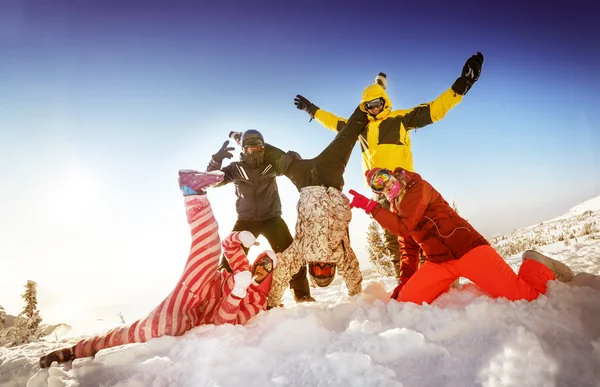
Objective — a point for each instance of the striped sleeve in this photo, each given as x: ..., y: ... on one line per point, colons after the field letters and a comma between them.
x: 232, y: 248
x: 235, y: 310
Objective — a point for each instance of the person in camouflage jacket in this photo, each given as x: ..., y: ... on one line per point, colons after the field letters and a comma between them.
x: 322, y: 239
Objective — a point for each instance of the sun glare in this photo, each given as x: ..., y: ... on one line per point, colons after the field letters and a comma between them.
x: 71, y: 197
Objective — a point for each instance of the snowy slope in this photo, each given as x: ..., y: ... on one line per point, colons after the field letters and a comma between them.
x: 463, y: 339
x: 580, y: 221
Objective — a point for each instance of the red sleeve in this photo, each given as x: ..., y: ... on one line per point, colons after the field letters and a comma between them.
x: 411, y: 209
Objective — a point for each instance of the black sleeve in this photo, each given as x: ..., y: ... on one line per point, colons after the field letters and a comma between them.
x: 275, y: 157
x: 418, y: 117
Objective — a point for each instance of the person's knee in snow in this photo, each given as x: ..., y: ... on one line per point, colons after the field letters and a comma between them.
x: 420, y: 212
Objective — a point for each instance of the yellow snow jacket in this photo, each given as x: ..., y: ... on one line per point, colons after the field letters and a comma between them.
x: 386, y: 141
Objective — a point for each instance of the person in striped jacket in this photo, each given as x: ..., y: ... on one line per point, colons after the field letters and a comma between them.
x: 203, y: 294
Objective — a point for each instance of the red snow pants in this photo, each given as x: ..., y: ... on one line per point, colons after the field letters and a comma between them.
x: 180, y: 311
x: 486, y: 269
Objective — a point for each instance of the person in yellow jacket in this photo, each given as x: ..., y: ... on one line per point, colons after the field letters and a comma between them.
x: 386, y: 141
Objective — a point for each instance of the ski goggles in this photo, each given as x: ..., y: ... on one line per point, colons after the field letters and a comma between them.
x: 378, y: 102
x: 379, y: 179
x: 265, y: 262
x: 250, y: 149
x: 322, y: 269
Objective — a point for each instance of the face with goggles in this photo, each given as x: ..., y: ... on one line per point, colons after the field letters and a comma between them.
x: 254, y: 149
x: 375, y: 106
x: 253, y: 153
x: 383, y: 182
x: 322, y: 273
x: 261, y: 268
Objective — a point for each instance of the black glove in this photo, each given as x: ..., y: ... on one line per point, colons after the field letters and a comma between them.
x: 470, y: 74
x: 359, y: 116
x: 223, y: 153
x: 304, y: 104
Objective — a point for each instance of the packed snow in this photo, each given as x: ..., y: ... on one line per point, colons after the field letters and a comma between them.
x: 464, y: 338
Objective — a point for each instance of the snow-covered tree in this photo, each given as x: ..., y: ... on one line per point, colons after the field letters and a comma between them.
x: 25, y: 326
x: 2, y: 317
x: 380, y: 261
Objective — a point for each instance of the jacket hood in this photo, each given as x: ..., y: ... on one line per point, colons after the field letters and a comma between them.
x: 407, y: 179
x: 370, y: 93
x: 265, y: 286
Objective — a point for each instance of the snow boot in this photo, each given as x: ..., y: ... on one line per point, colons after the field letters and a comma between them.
x: 60, y: 355
x: 561, y: 271
x: 304, y: 298
x: 193, y: 182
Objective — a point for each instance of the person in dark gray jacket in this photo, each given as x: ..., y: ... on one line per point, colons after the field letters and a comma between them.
x: 258, y: 204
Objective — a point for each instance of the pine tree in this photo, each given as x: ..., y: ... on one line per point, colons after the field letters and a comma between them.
x: 2, y: 317
x: 380, y: 262
x: 454, y: 206
x: 25, y: 327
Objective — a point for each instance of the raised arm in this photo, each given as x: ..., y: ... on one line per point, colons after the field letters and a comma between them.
x: 435, y: 110
x: 216, y: 162
x: 329, y: 120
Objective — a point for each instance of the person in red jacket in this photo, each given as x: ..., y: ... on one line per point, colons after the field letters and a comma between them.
x: 453, y: 248
x: 203, y: 294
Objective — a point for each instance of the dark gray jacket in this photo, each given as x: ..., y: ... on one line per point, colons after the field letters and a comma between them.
x: 255, y: 188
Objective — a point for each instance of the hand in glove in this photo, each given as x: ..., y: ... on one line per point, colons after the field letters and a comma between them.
x: 401, y: 283
x: 223, y: 153
x: 470, y: 74
x: 248, y: 239
x: 242, y: 281
x: 304, y: 104
x: 360, y: 201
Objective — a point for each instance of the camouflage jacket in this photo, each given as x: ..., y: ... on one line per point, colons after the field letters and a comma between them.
x: 321, y: 236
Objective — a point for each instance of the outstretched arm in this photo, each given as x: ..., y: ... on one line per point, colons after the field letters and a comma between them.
x: 430, y: 112
x: 435, y: 110
x: 329, y: 120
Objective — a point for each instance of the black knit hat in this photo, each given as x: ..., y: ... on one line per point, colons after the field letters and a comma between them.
x: 252, y: 137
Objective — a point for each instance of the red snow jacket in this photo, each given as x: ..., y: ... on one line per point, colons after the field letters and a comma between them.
x: 421, y: 212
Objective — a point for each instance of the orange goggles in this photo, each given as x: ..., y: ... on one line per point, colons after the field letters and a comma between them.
x: 379, y: 179
x: 250, y: 149
x: 322, y: 269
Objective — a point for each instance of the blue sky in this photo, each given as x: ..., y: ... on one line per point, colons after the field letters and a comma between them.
x: 101, y: 103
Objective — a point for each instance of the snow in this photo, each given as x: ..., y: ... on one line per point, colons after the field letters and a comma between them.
x: 464, y: 338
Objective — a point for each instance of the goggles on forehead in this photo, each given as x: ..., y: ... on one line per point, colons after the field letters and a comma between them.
x: 322, y: 269
x: 379, y: 179
x: 265, y: 262
x: 249, y: 149
x: 378, y: 102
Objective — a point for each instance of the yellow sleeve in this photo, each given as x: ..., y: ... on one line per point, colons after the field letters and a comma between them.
x: 329, y: 120
x: 428, y: 113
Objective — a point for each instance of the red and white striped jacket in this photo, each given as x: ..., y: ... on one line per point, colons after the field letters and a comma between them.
x: 202, y: 294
